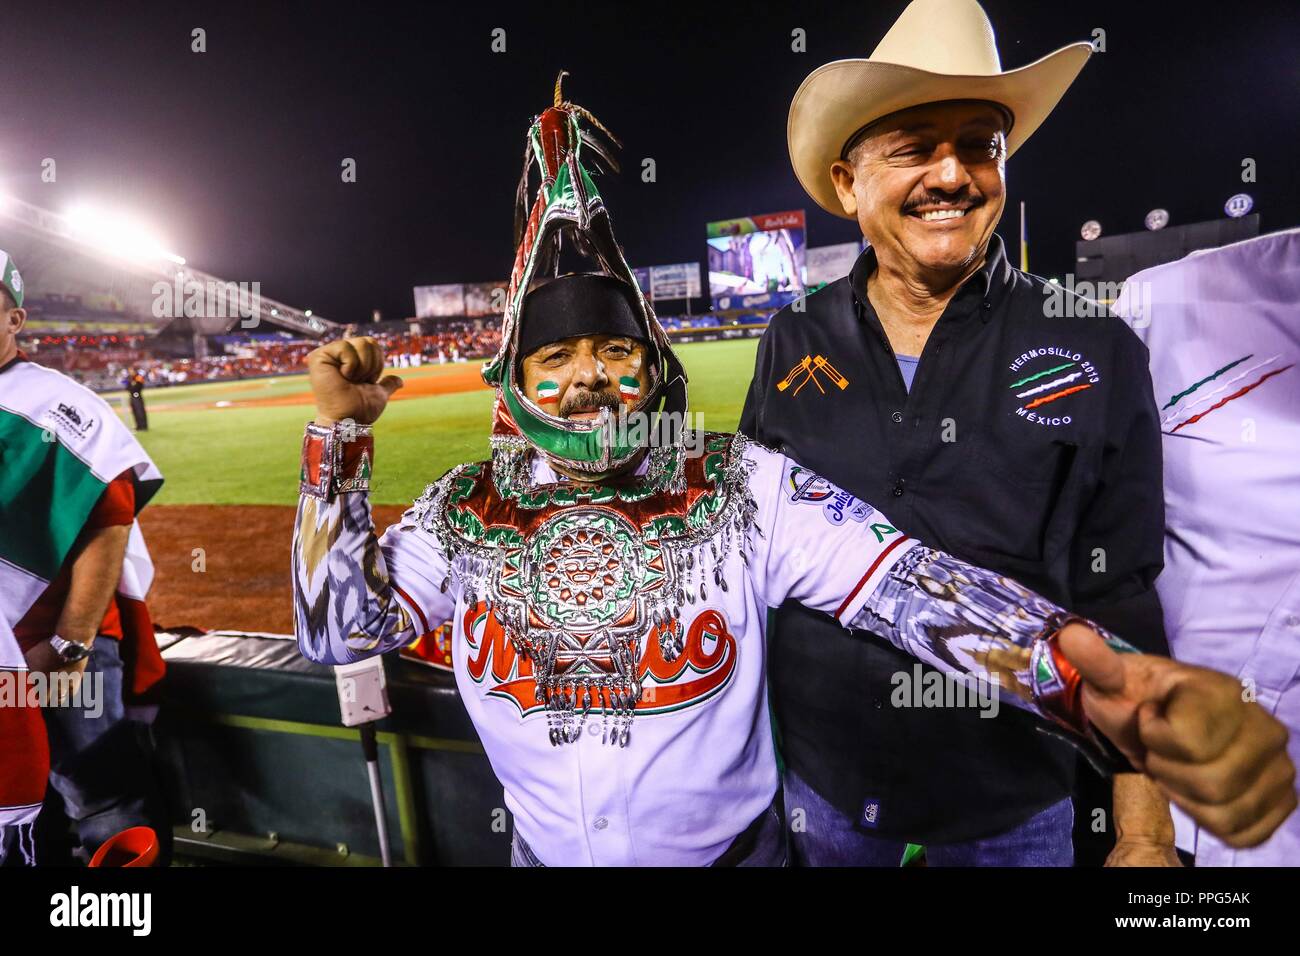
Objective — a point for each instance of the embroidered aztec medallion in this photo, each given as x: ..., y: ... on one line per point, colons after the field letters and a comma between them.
x: 585, y: 570
x: 582, y: 579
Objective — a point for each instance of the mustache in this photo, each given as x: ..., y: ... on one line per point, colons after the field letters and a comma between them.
x: 931, y: 197
x: 585, y: 401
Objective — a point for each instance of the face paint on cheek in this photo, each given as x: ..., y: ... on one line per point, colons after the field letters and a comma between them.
x: 629, y: 386
x: 548, y: 393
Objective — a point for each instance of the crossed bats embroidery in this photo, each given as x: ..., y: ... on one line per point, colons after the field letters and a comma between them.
x: 807, y: 370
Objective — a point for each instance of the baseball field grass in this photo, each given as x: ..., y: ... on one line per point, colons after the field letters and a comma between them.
x: 238, y: 443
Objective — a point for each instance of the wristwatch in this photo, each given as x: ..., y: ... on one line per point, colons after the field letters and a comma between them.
x: 69, y: 651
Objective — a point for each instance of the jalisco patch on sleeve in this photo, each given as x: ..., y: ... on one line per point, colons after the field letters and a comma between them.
x: 1046, y: 376
x: 802, y: 486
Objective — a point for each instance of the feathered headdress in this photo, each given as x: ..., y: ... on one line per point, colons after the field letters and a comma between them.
x: 568, y: 207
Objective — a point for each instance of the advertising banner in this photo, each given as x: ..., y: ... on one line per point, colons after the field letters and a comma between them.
x: 432, y: 301
x: 760, y: 255
x: 678, y: 281
x: 828, y: 263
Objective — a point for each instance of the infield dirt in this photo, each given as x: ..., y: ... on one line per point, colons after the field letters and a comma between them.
x: 244, y: 584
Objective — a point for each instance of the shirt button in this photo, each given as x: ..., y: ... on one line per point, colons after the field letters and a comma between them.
x: 898, y: 488
x: 600, y: 823
x: 877, y: 704
x: 988, y: 304
x: 1293, y: 621
x: 897, y: 417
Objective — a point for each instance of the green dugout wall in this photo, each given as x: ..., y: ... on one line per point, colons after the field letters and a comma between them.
x: 258, y: 768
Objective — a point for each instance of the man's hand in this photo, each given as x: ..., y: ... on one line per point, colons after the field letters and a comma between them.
x: 1137, y: 853
x: 42, y: 658
x: 346, y: 380
x: 1221, y: 759
x: 1144, y: 830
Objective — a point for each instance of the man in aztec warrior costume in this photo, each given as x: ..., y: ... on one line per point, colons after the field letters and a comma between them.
x: 609, y: 593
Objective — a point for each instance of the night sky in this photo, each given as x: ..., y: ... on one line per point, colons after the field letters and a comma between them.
x: 234, y: 154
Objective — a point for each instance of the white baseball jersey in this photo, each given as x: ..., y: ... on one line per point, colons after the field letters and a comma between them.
x: 698, y: 762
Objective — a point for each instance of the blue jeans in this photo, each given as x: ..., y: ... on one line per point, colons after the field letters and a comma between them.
x: 826, y: 837
x: 100, y: 764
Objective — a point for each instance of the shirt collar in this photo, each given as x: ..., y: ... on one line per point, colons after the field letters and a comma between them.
x: 20, y: 357
x: 989, y: 281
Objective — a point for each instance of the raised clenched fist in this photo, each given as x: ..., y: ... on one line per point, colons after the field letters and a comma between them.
x: 348, y: 382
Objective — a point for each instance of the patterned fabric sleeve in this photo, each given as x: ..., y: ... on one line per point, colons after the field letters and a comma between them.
x: 836, y: 553
x: 356, y: 595
x: 968, y: 620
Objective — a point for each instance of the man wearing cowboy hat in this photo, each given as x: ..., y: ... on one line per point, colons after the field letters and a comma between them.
x: 1010, y: 436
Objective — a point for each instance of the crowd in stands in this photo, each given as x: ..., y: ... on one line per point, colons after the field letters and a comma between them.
x: 93, y: 360
x: 103, y: 361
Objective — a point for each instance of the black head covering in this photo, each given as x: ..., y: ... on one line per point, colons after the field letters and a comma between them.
x: 583, y: 303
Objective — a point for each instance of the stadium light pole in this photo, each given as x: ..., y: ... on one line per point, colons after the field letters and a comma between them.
x: 1024, y: 240
x: 124, y: 242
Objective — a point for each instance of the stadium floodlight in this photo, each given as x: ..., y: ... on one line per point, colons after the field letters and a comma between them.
x: 1157, y: 219
x: 275, y: 311
x: 308, y: 313
x: 1239, y: 205
x: 117, y: 235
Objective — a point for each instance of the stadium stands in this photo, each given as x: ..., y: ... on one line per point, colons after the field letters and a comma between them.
x: 101, y: 361
x: 99, y: 353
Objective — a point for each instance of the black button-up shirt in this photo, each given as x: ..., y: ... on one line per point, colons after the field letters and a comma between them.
x: 1029, y: 444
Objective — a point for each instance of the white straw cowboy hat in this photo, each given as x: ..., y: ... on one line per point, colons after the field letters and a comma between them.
x: 937, y: 50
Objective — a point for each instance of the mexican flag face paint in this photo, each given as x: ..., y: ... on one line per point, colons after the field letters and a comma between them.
x: 629, y: 388
x: 548, y: 393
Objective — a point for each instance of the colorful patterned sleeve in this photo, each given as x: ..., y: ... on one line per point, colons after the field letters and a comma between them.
x: 348, y: 602
x: 967, y: 620
x: 836, y: 553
